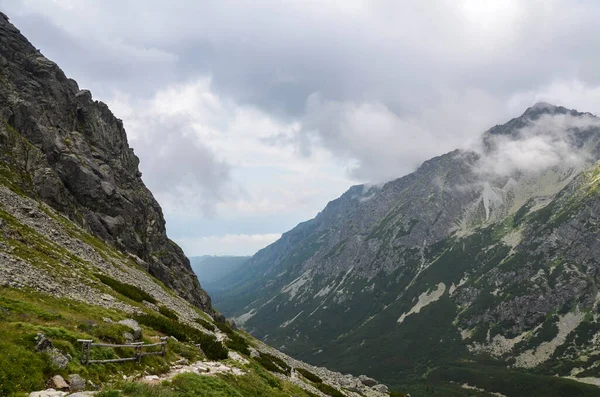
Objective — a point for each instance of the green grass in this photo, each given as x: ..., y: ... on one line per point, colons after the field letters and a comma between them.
x: 128, y: 290
x: 25, y: 313
x: 257, y: 383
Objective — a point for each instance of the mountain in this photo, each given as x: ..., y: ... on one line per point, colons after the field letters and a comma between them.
x: 210, y: 269
x: 480, y: 268
x: 70, y: 151
x: 84, y: 256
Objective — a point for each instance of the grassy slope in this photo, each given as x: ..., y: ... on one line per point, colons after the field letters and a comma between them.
x: 25, y: 312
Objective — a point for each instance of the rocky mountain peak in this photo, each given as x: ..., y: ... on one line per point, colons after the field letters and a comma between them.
x: 60, y: 145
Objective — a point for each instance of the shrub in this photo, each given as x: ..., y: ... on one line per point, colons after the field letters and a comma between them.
x: 238, y: 343
x: 213, y: 349
x: 273, y: 364
x: 309, y: 375
x: 165, y: 311
x: 130, y: 291
x: 224, y: 327
x: 205, y: 324
x: 329, y: 390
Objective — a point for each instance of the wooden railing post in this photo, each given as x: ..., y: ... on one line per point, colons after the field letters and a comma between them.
x: 85, y: 350
x: 164, y: 345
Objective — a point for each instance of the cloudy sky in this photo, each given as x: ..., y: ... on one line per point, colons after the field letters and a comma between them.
x: 249, y: 116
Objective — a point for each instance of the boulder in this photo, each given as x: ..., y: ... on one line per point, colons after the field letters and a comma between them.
x: 48, y: 393
x: 58, y: 382
x: 365, y: 380
x: 254, y: 353
x: 134, y: 326
x: 381, y: 388
x: 76, y: 382
x: 44, y: 345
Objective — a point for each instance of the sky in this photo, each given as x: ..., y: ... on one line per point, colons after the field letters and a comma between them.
x: 249, y: 116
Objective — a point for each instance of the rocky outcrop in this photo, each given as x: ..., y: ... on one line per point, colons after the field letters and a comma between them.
x: 60, y: 145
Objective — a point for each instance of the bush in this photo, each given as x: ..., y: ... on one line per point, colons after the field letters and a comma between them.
x: 238, y: 343
x: 130, y: 291
x: 213, y: 349
x: 205, y: 324
x: 309, y: 375
x: 165, y: 311
x: 224, y: 327
x: 273, y: 364
x: 329, y: 390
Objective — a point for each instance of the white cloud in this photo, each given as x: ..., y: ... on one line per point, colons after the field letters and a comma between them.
x: 230, y: 244
x: 203, y: 154
x: 546, y: 142
x: 304, y: 99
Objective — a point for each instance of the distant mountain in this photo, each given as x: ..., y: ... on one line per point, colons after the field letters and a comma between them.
x: 210, y: 269
x: 481, y: 268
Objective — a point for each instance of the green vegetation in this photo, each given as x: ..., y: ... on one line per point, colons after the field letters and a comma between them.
x: 25, y: 313
x: 205, y: 324
x: 236, y: 341
x: 165, y: 311
x: 257, y: 383
x: 329, y: 390
x: 213, y: 349
x: 512, y: 383
x: 309, y: 375
x: 273, y: 364
x: 128, y: 290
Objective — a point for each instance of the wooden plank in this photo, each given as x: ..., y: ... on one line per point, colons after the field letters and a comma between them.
x: 113, y: 346
x: 155, y: 344
x: 114, y: 360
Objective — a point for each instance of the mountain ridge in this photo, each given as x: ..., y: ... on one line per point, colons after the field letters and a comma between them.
x: 379, y: 261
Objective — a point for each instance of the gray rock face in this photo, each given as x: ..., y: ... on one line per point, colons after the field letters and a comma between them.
x: 58, y: 144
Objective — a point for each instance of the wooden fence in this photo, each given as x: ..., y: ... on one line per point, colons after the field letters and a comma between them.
x: 87, y: 344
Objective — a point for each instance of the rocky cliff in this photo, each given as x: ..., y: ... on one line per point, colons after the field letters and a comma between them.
x: 485, y: 256
x: 59, y: 145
